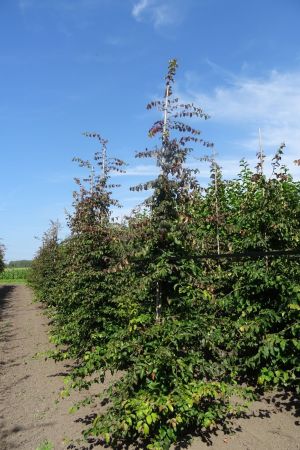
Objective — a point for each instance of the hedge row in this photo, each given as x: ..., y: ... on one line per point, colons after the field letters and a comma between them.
x: 155, y: 299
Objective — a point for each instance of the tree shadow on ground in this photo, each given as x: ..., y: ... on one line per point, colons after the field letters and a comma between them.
x: 7, y: 432
x: 7, y: 334
x: 282, y: 401
x: 5, y: 295
x: 287, y: 401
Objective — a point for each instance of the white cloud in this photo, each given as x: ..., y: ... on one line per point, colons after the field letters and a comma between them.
x: 276, y: 98
x: 159, y: 12
x: 141, y: 170
x: 271, y: 103
x: 139, y: 8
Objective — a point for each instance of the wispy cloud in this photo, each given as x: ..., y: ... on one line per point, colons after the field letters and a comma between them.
x: 142, y: 170
x: 274, y: 99
x: 271, y: 102
x: 230, y: 168
x: 139, y: 8
x: 158, y: 12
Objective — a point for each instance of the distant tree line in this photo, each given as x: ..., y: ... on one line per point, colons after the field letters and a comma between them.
x: 19, y: 264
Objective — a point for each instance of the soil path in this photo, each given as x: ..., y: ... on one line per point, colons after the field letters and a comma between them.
x: 29, y: 388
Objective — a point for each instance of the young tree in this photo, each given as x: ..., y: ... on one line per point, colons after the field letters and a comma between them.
x: 83, y: 296
x: 44, y: 271
x: 174, y: 190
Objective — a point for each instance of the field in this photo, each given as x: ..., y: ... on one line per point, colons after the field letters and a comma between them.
x: 14, y: 276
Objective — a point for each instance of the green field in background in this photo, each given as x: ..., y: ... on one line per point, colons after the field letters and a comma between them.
x: 14, y: 276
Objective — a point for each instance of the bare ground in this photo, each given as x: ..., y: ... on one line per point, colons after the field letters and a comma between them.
x: 29, y: 389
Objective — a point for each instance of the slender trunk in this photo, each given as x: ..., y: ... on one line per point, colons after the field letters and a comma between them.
x: 165, y: 125
x: 158, y: 303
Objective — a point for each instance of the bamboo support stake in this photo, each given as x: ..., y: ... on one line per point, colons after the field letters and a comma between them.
x: 104, y: 160
x: 165, y: 124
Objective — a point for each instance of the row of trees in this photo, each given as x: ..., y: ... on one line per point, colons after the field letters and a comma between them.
x: 193, y: 299
x: 19, y: 264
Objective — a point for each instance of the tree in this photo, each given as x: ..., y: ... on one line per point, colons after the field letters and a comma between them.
x: 44, y: 271
x: 175, y: 188
x: 86, y: 256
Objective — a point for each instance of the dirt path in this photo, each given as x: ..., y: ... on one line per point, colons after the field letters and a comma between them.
x: 29, y: 389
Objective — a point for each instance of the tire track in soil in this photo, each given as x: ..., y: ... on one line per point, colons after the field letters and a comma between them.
x: 29, y: 389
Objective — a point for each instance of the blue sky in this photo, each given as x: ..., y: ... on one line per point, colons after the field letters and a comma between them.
x: 69, y: 66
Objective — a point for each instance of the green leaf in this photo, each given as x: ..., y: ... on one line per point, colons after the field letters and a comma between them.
x: 149, y: 420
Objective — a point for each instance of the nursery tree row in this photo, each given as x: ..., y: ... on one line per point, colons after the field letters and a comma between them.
x: 191, y: 300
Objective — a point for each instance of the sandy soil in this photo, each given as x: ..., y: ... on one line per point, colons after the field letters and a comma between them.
x: 29, y: 389
x: 30, y: 386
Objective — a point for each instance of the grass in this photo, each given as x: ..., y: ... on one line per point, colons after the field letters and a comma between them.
x: 46, y: 445
x: 12, y: 282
